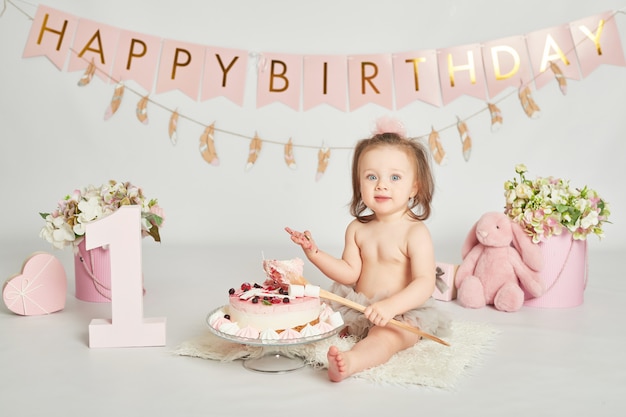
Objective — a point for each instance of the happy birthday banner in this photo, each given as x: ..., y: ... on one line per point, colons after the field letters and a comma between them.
x: 346, y: 82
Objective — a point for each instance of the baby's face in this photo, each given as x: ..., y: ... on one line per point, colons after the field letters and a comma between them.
x: 387, y: 179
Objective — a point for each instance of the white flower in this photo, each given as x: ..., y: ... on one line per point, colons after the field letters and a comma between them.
x: 62, y: 234
x: 89, y: 210
x: 523, y: 191
x: 520, y: 168
x: 46, y: 231
x: 511, y: 197
x: 57, y: 232
x: 589, y: 220
x: 79, y: 229
x: 582, y: 205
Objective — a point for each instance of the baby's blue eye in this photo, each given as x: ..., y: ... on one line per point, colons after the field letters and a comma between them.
x: 395, y: 177
x: 371, y: 177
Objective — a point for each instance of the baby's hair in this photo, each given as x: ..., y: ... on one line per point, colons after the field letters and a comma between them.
x: 420, y: 206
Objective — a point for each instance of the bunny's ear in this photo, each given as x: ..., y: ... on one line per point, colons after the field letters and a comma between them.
x: 470, y: 241
x: 529, y: 251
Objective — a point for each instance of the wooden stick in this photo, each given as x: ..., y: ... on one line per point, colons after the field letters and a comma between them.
x: 356, y: 306
x: 300, y: 280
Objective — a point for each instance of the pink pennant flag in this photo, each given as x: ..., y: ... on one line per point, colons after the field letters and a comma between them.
x: 137, y: 58
x: 597, y: 42
x: 94, y: 42
x: 370, y: 80
x: 279, y: 79
x: 224, y: 74
x: 461, y: 72
x: 325, y: 81
x: 506, y: 64
x: 51, y: 35
x: 180, y: 68
x: 556, y: 45
x: 416, y: 78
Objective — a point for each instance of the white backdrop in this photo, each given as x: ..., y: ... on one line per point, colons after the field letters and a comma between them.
x: 54, y: 138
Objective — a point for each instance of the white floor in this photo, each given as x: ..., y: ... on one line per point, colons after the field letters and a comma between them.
x: 544, y: 362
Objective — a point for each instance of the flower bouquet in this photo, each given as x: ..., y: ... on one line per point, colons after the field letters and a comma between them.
x: 66, y: 225
x: 558, y: 218
x: 546, y: 206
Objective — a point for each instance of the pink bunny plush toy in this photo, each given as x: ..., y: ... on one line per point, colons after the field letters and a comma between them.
x: 500, y: 261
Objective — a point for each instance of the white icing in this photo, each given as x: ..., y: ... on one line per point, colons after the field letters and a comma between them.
x: 311, y: 291
x: 229, y: 328
x: 289, y: 334
x: 324, y: 327
x: 250, y: 293
x: 249, y: 332
x: 269, y: 334
x: 213, y: 317
x: 296, y: 290
x: 218, y: 322
x: 335, y: 319
x: 309, y: 331
x: 325, y: 312
x: 260, y: 292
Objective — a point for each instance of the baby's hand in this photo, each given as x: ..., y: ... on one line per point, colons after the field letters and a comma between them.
x: 378, y: 313
x: 303, y: 239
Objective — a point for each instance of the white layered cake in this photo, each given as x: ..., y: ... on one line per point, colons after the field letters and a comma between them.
x: 276, y: 309
x: 269, y: 308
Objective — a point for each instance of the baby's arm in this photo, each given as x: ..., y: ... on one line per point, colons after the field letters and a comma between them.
x: 345, y: 270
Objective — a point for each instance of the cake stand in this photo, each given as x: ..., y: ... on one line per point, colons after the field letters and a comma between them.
x: 274, y: 359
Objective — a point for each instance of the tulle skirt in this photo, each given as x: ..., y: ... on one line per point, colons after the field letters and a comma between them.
x: 427, y: 317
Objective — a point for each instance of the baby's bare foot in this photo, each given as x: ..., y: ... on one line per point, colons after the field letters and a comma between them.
x: 337, y: 367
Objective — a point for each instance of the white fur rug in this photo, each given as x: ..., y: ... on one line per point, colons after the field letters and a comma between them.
x: 427, y: 363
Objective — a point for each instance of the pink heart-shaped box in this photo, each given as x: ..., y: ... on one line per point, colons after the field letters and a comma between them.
x: 40, y: 289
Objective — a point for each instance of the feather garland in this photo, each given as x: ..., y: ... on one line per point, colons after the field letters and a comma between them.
x: 88, y: 75
x: 496, y: 117
x: 142, y: 110
x: 118, y: 94
x: 173, y: 128
x: 531, y: 108
x: 253, y: 153
x: 560, y: 77
x: 323, y: 156
x: 436, y: 149
x: 289, y: 158
x: 207, y: 146
x: 466, y: 140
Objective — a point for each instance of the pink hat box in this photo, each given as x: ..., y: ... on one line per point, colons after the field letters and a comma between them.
x: 564, y: 272
x: 92, y: 270
x: 39, y: 289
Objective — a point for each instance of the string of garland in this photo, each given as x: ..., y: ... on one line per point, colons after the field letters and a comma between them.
x: 207, y: 141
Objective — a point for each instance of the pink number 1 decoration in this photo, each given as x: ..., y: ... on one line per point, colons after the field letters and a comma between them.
x: 121, y: 231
